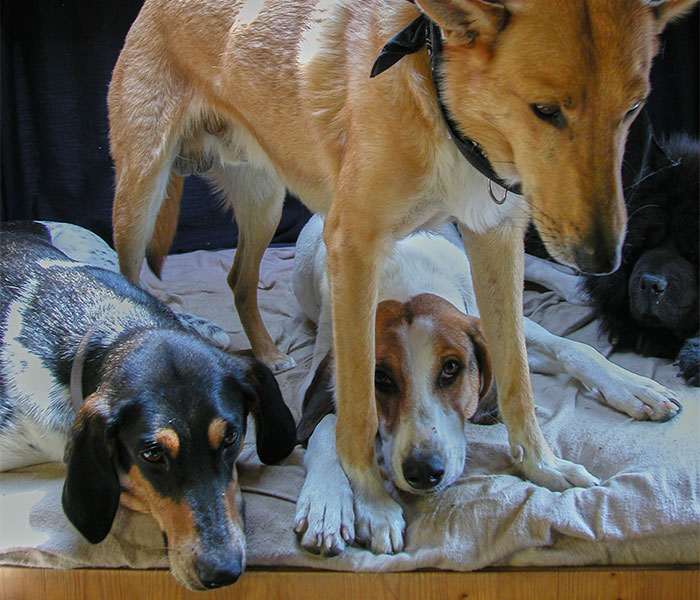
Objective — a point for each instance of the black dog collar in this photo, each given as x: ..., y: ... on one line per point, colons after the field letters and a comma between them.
x: 424, y: 32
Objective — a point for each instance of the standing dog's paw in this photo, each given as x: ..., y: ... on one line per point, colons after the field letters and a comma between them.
x: 280, y: 363
x: 688, y: 362
x: 325, y: 519
x: 554, y: 473
x: 379, y: 522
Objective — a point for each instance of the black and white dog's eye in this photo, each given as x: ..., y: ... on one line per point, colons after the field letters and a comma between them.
x: 230, y: 438
x: 153, y: 455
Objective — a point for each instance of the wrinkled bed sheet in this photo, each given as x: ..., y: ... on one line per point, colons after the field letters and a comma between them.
x: 647, y: 509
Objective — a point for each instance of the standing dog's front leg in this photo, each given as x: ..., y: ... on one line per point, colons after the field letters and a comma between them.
x: 497, y: 260
x: 354, y: 247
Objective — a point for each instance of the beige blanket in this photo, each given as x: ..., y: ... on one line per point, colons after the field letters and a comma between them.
x: 647, y: 509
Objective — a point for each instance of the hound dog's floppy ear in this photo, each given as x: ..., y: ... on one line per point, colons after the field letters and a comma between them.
x: 472, y: 326
x: 91, y: 489
x: 275, y: 432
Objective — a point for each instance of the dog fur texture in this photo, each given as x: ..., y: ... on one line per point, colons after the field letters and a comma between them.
x: 164, y: 415
x: 263, y: 95
x: 650, y: 304
x: 427, y: 377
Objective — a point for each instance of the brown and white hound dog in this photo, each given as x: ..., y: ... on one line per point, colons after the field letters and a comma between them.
x: 432, y: 370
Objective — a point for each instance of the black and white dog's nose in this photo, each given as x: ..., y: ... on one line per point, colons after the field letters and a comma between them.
x: 218, y: 572
x: 423, y: 470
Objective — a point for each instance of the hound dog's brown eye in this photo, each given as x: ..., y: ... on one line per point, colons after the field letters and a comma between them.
x: 450, y: 369
x: 230, y: 438
x: 153, y: 455
x: 383, y: 382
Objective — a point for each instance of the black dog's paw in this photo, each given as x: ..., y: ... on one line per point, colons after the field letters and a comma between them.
x: 688, y: 362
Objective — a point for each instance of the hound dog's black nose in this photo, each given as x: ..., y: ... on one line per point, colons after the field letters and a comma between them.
x: 423, y: 471
x: 219, y: 571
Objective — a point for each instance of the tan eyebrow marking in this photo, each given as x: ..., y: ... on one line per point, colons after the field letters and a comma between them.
x: 169, y: 439
x: 216, y: 432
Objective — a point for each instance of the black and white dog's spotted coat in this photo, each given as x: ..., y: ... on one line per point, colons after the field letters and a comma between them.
x: 147, y: 411
x: 42, y: 309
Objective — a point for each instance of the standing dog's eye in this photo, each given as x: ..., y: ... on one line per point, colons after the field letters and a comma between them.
x: 551, y: 113
x: 153, y: 455
x: 633, y: 110
x: 450, y: 369
x: 230, y: 438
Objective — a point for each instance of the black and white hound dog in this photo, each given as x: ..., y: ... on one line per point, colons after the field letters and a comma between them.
x: 146, y: 410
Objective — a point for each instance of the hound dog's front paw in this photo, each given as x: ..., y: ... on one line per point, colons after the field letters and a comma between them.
x: 325, y: 520
x: 554, y: 473
x: 639, y: 397
x: 379, y: 522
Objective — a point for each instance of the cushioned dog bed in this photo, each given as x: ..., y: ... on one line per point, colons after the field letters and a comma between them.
x: 646, y: 511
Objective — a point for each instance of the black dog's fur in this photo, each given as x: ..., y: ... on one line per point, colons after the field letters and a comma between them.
x: 650, y: 304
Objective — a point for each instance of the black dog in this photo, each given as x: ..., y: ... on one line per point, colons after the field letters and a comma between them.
x: 650, y: 304
x: 164, y: 415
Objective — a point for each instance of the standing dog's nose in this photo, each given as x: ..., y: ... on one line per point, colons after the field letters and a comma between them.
x: 423, y: 471
x: 652, y: 284
x: 599, y: 253
x: 594, y: 260
x: 217, y: 572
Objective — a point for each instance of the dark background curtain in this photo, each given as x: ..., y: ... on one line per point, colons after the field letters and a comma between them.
x: 57, y: 58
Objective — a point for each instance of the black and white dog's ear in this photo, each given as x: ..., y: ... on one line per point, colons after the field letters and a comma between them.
x: 91, y: 490
x: 275, y: 432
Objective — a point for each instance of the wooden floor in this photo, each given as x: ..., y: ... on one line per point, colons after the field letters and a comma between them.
x: 637, y: 583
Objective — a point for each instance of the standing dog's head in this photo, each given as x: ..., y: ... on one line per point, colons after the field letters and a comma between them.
x: 548, y: 89
x: 432, y: 368
x: 162, y: 433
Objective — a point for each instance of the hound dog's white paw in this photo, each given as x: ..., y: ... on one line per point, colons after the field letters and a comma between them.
x: 639, y: 397
x: 379, y: 521
x: 325, y: 520
x: 554, y: 473
x: 204, y: 328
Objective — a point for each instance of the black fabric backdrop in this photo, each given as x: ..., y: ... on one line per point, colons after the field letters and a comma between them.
x: 57, y: 58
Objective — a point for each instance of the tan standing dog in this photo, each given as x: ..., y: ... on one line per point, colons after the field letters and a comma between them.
x: 267, y: 94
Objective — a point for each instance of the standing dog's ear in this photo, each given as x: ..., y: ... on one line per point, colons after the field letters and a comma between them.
x: 466, y: 21
x: 91, y: 489
x: 667, y: 10
x: 275, y: 432
x: 472, y: 326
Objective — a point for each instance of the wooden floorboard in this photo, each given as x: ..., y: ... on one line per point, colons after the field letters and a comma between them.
x: 639, y: 583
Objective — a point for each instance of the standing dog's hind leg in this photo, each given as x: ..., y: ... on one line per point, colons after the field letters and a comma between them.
x: 257, y: 198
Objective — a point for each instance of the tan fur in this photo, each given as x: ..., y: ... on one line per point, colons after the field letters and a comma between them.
x: 168, y: 439
x: 177, y: 522
x: 216, y: 432
x: 284, y: 85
